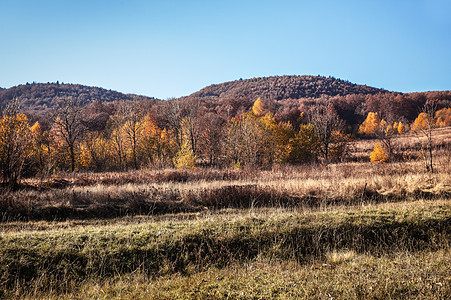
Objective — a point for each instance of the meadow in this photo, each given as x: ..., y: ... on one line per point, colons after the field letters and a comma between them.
x: 351, y: 230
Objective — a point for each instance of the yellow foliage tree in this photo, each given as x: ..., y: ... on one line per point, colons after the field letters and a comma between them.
x: 258, y: 108
x: 422, y: 122
x: 401, y: 128
x: 185, y: 158
x: 41, y: 149
x: 305, y: 145
x: 95, y: 152
x: 378, y: 155
x: 15, y: 147
x: 275, y: 138
x: 371, y: 124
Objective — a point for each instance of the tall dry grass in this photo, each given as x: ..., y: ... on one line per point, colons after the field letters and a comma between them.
x: 119, y: 194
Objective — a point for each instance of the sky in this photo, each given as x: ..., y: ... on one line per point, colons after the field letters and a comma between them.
x: 173, y: 48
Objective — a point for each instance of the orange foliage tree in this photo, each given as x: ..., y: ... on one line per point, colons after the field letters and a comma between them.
x: 443, y: 117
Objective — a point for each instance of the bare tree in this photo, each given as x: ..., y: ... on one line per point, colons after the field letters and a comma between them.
x: 210, y: 137
x: 118, y: 140
x: 325, y: 120
x: 69, y: 126
x: 171, y: 115
x: 424, y: 126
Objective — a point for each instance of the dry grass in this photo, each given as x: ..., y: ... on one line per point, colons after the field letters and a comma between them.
x: 302, y: 186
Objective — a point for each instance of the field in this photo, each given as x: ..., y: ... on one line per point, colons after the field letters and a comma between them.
x: 353, y: 230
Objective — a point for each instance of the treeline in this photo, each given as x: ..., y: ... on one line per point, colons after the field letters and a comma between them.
x: 183, y: 134
x: 351, y: 108
x: 177, y: 134
x: 285, y: 96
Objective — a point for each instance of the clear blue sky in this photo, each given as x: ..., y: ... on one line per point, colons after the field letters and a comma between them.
x: 172, y: 48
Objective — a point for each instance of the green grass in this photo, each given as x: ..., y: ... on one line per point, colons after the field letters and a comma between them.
x: 39, y: 259
x: 420, y: 275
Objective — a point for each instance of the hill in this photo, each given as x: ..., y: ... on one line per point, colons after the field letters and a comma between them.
x: 40, y: 97
x: 288, y: 96
x: 285, y: 87
x: 285, y: 96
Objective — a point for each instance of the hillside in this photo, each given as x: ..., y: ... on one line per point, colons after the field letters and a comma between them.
x: 288, y: 96
x: 285, y: 87
x: 39, y: 97
x: 285, y: 96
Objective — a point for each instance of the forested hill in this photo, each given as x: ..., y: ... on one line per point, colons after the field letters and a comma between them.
x: 285, y: 87
x: 39, y: 97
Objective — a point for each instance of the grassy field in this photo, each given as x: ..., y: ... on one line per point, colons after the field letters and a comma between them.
x: 390, y: 250
x: 352, y: 230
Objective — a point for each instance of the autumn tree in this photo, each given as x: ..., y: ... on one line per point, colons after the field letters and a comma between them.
x: 41, y: 149
x: 68, y: 127
x: 132, y: 127
x: 254, y: 140
x: 15, y: 144
x: 423, y: 126
x: 327, y: 124
x: 118, y: 140
x: 401, y: 128
x: 157, y: 146
x: 443, y: 117
x: 95, y: 151
x: 242, y: 141
x: 378, y: 154
x: 371, y: 124
x: 185, y: 157
x: 276, y: 139
x: 170, y: 115
x: 211, y: 126
x: 258, y: 109
x: 305, y: 145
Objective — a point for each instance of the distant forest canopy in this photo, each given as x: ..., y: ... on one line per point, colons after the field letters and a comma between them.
x: 40, y: 97
x: 285, y: 87
x: 285, y: 96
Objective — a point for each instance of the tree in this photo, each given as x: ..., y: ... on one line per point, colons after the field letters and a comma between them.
x: 378, y: 154
x: 401, y: 128
x: 371, y: 124
x: 95, y: 151
x: 68, y: 127
x: 305, y: 145
x: 276, y: 138
x: 325, y: 121
x: 423, y: 126
x: 132, y: 127
x: 443, y: 117
x: 210, y: 137
x: 185, y: 158
x: 15, y: 144
x: 243, y: 141
x: 258, y: 109
x: 41, y: 149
